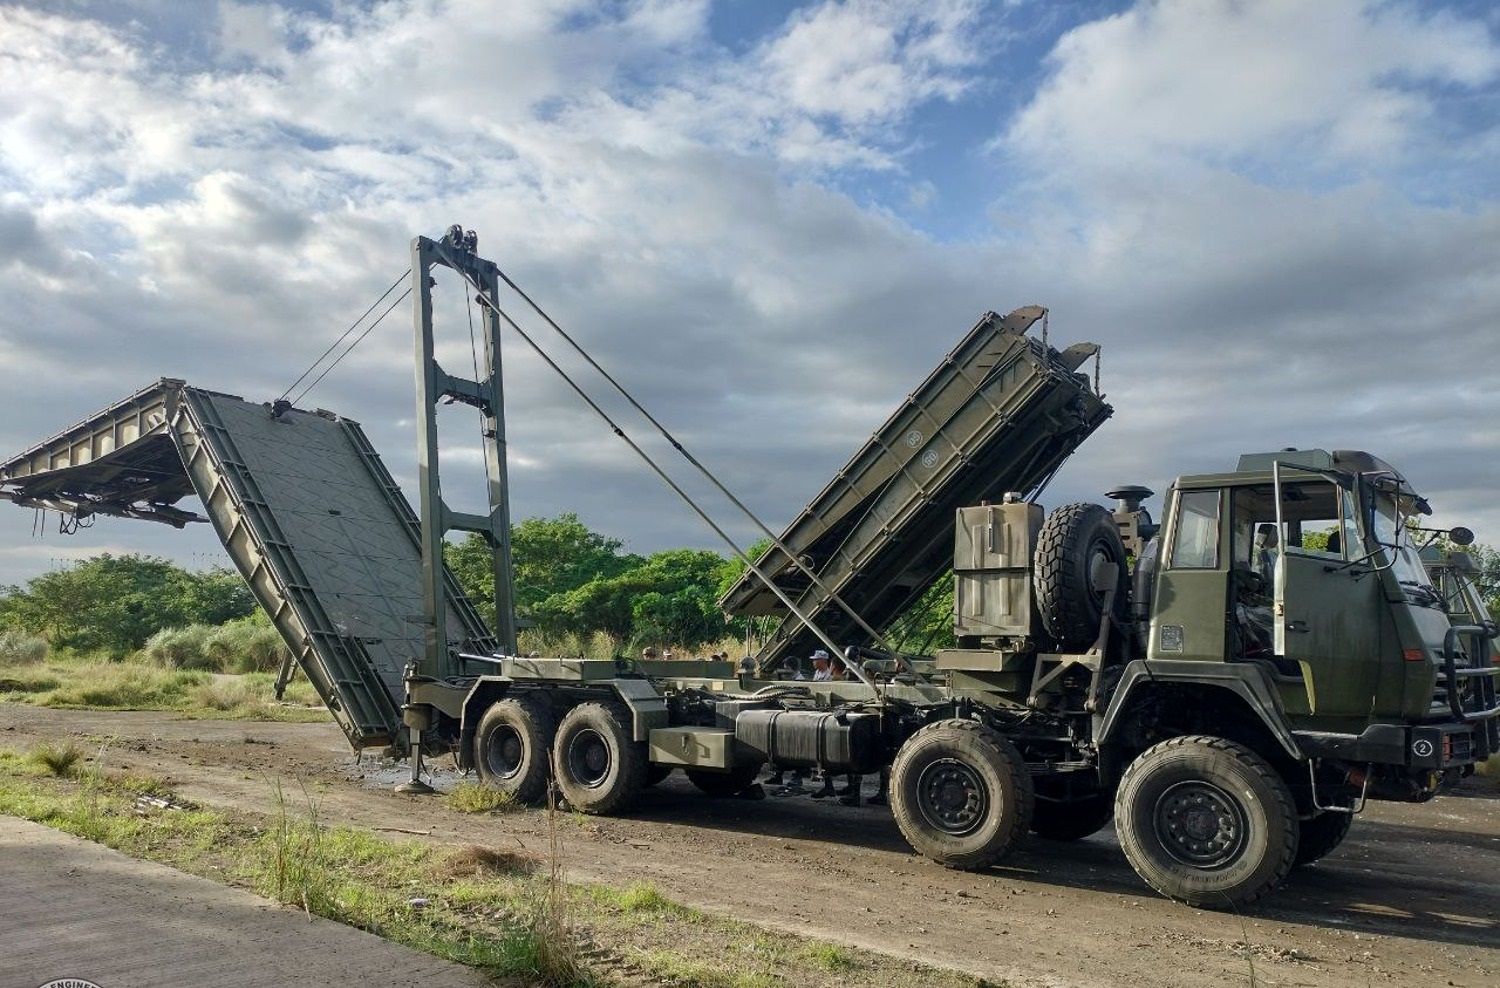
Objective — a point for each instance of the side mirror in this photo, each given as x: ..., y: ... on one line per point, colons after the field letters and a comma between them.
x: 1460, y: 536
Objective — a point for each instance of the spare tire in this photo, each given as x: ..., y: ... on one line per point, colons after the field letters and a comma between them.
x: 1073, y: 539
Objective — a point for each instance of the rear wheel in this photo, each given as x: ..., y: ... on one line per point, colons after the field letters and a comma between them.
x: 960, y: 794
x: 512, y: 744
x: 736, y: 780
x: 1320, y: 835
x: 1079, y: 544
x: 600, y: 769
x: 1206, y: 821
x: 1076, y: 820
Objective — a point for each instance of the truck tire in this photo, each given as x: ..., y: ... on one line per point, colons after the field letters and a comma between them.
x: 1071, y: 539
x: 736, y: 780
x: 1051, y: 820
x: 511, y: 747
x: 1320, y: 835
x: 1206, y: 821
x: 600, y: 769
x: 961, y: 794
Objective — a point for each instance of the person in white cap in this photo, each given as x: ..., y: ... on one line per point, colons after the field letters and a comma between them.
x: 821, y: 672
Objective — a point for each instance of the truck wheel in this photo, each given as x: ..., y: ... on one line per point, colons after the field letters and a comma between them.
x: 960, y: 794
x: 1206, y: 821
x: 1072, y: 540
x: 1071, y: 821
x: 727, y: 783
x: 1320, y: 835
x: 511, y: 746
x: 600, y: 769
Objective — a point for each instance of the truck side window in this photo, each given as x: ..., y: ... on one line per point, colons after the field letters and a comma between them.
x: 1196, y: 543
x: 1314, y: 512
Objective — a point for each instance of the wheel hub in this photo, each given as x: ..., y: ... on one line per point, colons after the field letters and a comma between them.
x: 1201, y: 825
x: 588, y: 758
x: 952, y: 797
x: 507, y: 750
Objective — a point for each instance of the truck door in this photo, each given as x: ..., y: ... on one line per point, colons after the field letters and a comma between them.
x: 1188, y: 613
x: 1327, y: 605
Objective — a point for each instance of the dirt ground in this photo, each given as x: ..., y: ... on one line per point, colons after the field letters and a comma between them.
x: 1411, y: 898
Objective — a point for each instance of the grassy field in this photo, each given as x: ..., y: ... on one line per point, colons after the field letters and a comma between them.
x: 505, y: 912
x: 143, y: 683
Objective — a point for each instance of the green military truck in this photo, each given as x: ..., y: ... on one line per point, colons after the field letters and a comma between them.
x: 1229, y: 685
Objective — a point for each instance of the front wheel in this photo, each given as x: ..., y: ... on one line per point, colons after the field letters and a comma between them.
x: 600, y: 768
x: 960, y: 794
x: 1206, y: 821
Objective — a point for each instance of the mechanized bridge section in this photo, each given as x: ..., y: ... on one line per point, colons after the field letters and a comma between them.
x: 308, y: 512
x: 998, y: 415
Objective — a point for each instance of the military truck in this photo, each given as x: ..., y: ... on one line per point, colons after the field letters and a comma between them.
x: 1229, y: 685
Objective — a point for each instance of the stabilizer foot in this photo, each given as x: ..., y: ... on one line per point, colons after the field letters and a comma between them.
x: 415, y: 787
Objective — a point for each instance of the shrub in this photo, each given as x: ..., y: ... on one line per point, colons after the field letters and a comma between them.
x: 476, y: 797
x: 248, y: 645
x: 17, y: 648
x: 182, y: 648
x: 59, y: 760
x: 225, y: 695
x: 244, y: 645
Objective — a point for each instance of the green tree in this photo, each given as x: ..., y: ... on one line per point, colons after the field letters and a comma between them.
x: 114, y: 603
x: 219, y: 596
x: 668, y: 598
x: 681, y: 608
x: 549, y: 556
x: 604, y: 605
x: 928, y: 624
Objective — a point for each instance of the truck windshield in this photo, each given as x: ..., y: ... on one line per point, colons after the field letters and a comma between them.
x: 1388, y: 529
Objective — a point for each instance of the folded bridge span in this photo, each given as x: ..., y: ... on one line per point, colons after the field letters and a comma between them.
x: 312, y: 519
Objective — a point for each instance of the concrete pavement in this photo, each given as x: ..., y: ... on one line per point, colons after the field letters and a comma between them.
x: 71, y: 909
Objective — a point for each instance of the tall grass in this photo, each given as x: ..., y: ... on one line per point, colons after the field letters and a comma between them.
x: 557, y: 959
x: 598, y: 645
x: 294, y: 871
x: 247, y: 645
x: 127, y: 685
x: 17, y: 648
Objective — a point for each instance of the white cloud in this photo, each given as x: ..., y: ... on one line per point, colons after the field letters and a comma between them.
x: 863, y: 63
x: 1193, y: 186
x: 1332, y: 82
x: 252, y: 30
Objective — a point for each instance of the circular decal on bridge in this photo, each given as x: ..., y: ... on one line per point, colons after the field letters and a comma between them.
x: 914, y: 439
x: 930, y: 458
x: 1422, y: 748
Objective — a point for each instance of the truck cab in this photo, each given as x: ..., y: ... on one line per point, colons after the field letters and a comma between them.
x: 1301, y: 563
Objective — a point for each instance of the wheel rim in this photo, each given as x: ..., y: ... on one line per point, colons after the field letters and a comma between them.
x: 1099, y: 553
x: 588, y: 757
x: 505, y: 753
x: 952, y: 797
x: 1201, y: 825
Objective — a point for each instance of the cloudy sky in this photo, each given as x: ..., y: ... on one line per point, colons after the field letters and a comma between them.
x: 1280, y: 219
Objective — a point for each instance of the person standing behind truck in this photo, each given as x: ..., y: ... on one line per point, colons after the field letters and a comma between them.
x: 821, y: 671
